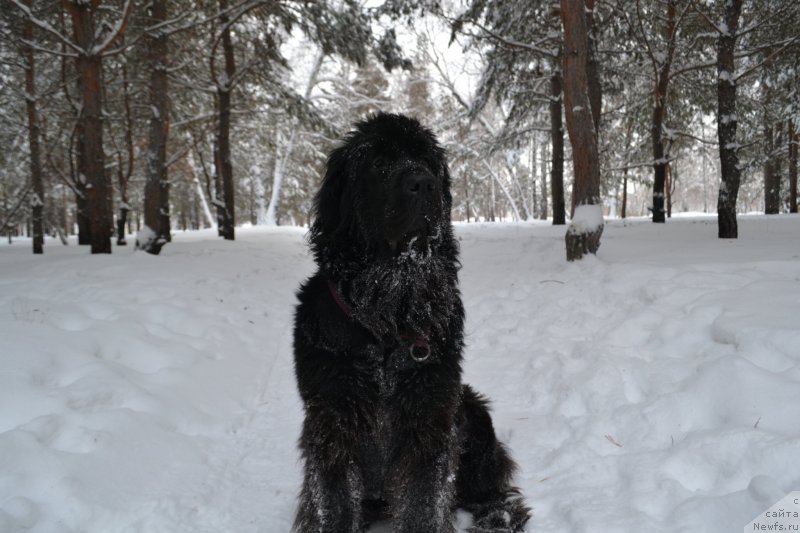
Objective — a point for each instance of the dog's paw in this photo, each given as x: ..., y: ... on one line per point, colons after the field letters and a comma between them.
x: 509, y: 516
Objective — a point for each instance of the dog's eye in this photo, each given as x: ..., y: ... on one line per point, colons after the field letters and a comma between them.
x: 379, y: 162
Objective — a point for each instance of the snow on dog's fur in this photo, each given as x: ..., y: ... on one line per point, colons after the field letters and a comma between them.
x: 390, y: 430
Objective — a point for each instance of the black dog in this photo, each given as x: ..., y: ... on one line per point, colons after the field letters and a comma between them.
x: 390, y: 430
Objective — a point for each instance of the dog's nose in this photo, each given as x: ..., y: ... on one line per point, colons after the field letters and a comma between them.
x: 419, y: 183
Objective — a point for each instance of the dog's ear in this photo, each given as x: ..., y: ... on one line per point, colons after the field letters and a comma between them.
x: 333, y: 211
x: 328, y: 203
x: 444, y: 171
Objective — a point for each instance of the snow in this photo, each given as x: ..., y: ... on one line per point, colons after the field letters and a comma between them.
x: 654, y: 387
x: 145, y: 237
x: 587, y: 219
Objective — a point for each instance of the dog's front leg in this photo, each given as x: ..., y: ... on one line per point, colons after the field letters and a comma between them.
x: 421, y: 477
x: 330, y: 501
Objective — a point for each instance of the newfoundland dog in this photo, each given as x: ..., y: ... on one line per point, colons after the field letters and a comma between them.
x: 390, y: 430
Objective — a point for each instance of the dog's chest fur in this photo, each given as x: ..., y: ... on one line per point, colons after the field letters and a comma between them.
x: 387, y: 368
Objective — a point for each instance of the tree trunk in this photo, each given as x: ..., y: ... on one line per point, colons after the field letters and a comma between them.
x: 794, y: 141
x: 669, y: 187
x: 225, y: 168
x: 593, y: 69
x: 493, y: 198
x: 156, y: 194
x: 659, y: 113
x: 531, y: 189
x: 466, y: 195
x: 124, y: 173
x: 557, y: 139
x: 583, y: 234
x: 122, y: 217
x: 37, y: 184
x: 624, y: 210
x: 90, y: 74
x: 659, y: 163
x: 727, y: 123
x: 82, y: 215
x: 772, y: 179
x: 217, y: 195
x: 543, y: 163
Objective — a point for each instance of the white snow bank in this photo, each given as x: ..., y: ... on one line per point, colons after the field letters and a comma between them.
x: 654, y: 387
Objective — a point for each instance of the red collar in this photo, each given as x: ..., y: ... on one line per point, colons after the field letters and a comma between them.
x: 337, y: 297
x: 419, y: 348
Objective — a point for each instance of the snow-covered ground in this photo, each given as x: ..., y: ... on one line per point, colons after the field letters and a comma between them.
x: 653, y: 388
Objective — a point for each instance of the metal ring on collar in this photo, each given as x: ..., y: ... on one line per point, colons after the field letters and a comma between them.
x: 419, y: 352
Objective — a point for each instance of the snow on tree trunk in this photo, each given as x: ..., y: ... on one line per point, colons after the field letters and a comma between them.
x: 147, y: 239
x: 727, y: 123
x: 584, y: 231
x: 583, y: 234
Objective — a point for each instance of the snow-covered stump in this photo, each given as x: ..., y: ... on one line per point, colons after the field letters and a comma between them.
x: 149, y: 241
x: 584, y: 231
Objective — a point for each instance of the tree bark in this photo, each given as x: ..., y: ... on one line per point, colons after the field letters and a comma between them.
x: 593, y: 69
x: 557, y: 139
x: 543, y: 163
x: 659, y: 114
x: 580, y: 125
x: 90, y: 74
x: 122, y: 217
x: 794, y: 142
x: 659, y: 163
x: 156, y: 199
x: 37, y: 184
x: 82, y: 213
x: 124, y: 172
x: 726, y: 124
x: 772, y: 179
x: 224, y: 166
x: 669, y: 187
x: 76, y: 158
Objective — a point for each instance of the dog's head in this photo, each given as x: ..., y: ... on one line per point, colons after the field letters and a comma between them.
x: 386, y: 192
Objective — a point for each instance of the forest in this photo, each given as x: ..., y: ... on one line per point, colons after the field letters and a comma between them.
x: 126, y: 117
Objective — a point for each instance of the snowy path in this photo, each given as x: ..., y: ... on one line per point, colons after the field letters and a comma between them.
x: 655, y: 387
